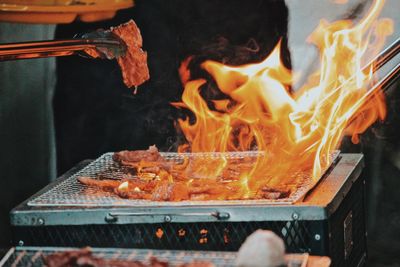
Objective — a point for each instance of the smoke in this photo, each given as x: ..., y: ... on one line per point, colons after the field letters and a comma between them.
x: 96, y: 113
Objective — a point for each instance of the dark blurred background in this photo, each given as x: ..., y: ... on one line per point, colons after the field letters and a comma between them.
x: 56, y: 112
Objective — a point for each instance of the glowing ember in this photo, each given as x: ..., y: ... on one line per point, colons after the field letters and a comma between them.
x: 159, y: 233
x: 296, y: 131
x: 181, y: 232
x: 203, y: 239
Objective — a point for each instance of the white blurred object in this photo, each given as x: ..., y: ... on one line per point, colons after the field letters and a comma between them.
x: 262, y: 248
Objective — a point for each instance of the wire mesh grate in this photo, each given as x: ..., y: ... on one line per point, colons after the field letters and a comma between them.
x: 33, y: 256
x: 70, y: 192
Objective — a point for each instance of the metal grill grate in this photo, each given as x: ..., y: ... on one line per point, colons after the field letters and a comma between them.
x: 72, y: 193
x: 34, y: 256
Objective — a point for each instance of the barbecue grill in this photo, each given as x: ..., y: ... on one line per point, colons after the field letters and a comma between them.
x: 33, y: 256
x: 324, y: 218
x: 327, y: 220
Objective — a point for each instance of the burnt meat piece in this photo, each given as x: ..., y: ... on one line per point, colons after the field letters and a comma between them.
x: 144, y: 161
x: 154, y: 262
x: 113, y: 185
x: 149, y: 155
x: 273, y: 193
x: 134, y: 63
x: 66, y: 258
x: 84, y: 258
x: 140, y: 189
x: 151, y: 177
x: 166, y: 191
x: 107, y: 185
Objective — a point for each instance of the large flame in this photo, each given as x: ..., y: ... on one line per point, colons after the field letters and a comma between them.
x: 295, y: 131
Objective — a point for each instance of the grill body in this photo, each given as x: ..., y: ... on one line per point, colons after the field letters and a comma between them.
x: 33, y: 256
x: 329, y: 221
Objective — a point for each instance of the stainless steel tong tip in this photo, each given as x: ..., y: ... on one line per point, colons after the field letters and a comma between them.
x: 97, y: 44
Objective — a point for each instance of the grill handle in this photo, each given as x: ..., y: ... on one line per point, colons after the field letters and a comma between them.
x: 113, y: 217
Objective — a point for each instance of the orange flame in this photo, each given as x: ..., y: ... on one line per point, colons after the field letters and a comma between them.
x: 295, y: 131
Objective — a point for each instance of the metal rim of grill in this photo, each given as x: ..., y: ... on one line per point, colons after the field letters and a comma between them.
x: 33, y: 256
x: 71, y: 192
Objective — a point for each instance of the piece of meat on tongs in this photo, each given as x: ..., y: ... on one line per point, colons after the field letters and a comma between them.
x: 133, y: 62
x: 123, y: 42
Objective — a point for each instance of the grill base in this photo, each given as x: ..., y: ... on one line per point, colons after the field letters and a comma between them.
x: 329, y: 222
x: 298, y: 235
x: 33, y: 256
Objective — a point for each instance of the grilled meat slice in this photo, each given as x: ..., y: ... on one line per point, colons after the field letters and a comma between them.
x: 84, y: 258
x: 114, y: 185
x: 127, y: 157
x: 166, y: 191
x: 273, y: 193
x: 156, y: 190
x: 134, y: 63
x: 65, y: 258
x: 148, y: 175
x: 106, y: 185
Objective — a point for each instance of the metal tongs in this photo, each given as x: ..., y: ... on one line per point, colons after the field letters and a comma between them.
x: 97, y: 44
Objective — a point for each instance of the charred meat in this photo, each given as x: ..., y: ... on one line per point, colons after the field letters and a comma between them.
x: 134, y: 63
x: 85, y: 258
x: 149, y: 176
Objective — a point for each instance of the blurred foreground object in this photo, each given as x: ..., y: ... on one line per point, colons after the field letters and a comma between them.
x: 123, y: 42
x: 263, y: 248
x: 60, y: 11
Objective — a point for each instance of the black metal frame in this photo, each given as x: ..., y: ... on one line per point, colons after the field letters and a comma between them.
x: 302, y: 231
x: 319, y: 237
